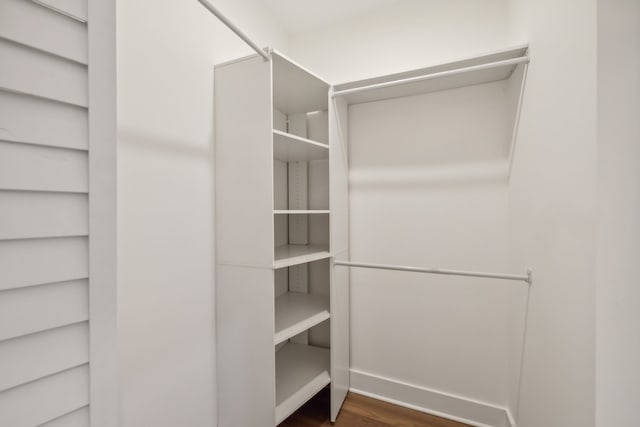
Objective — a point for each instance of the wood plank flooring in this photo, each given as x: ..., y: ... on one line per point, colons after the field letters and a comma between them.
x: 361, y: 411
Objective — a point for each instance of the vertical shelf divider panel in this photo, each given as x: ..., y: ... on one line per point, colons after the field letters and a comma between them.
x: 339, y: 288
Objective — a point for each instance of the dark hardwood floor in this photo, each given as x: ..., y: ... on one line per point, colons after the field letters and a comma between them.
x: 361, y: 411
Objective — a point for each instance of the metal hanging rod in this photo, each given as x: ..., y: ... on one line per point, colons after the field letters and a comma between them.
x: 528, y: 278
x: 235, y: 29
x: 506, y: 62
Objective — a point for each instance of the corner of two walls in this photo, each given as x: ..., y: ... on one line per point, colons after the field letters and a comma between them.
x: 552, y: 213
x: 166, y: 52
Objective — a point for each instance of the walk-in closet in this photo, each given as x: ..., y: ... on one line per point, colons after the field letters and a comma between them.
x: 287, y: 213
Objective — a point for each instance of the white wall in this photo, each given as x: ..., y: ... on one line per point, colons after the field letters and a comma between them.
x: 553, y: 211
x: 428, y: 187
x: 618, y: 293
x: 166, y: 53
x: 409, y: 34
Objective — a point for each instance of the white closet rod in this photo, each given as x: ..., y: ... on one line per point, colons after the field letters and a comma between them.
x: 506, y: 62
x: 528, y: 278
x: 233, y: 28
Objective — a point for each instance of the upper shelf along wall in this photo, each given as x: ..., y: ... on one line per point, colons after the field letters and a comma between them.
x: 396, y: 85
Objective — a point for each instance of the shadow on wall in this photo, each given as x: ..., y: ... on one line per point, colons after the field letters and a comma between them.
x: 139, y: 139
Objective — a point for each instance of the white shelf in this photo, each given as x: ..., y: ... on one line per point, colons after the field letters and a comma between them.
x: 301, y: 372
x: 296, y: 89
x: 287, y: 255
x: 441, y: 83
x: 291, y: 148
x: 300, y: 212
x: 296, y: 312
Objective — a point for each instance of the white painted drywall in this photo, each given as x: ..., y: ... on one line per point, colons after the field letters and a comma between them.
x: 407, y: 34
x: 553, y: 212
x: 166, y: 53
x: 428, y: 187
x: 618, y: 293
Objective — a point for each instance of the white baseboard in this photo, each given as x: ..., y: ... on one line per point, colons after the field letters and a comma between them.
x: 445, y: 405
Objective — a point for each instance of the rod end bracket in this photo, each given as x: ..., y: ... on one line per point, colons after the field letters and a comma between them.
x: 269, y: 51
x: 529, y: 276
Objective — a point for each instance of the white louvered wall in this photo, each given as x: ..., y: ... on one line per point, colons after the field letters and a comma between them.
x: 44, y: 214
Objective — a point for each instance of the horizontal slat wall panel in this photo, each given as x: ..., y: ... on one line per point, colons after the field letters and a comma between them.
x: 39, y: 261
x: 78, y: 418
x: 74, y: 8
x: 44, y: 211
x: 34, y: 214
x: 56, y: 33
x: 38, y: 308
x: 31, y: 167
x: 30, y: 71
x: 39, y: 355
x: 40, y: 121
x: 43, y: 400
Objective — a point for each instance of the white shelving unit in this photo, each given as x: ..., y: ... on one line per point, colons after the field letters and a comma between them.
x: 278, y: 196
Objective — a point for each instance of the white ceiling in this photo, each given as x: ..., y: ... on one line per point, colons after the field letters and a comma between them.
x: 302, y: 15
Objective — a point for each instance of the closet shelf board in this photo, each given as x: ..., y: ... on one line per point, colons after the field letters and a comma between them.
x: 300, y: 212
x: 301, y: 372
x: 436, y: 84
x: 291, y: 148
x: 288, y: 255
x: 296, y: 89
x: 296, y: 312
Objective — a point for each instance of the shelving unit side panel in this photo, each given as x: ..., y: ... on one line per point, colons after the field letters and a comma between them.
x: 339, y: 175
x: 340, y: 355
x: 245, y: 355
x: 244, y: 163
